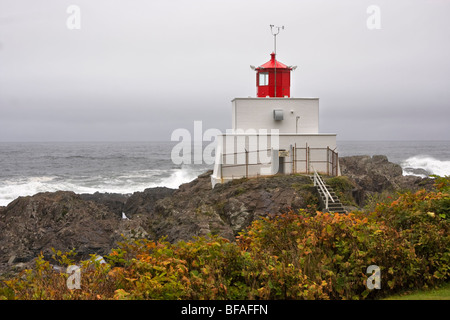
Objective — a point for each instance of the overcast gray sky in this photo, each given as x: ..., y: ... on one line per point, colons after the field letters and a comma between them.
x: 139, y: 69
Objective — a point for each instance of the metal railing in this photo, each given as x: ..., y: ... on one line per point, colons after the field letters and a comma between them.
x: 242, y: 163
x: 301, y: 160
x: 319, y: 182
x: 329, y: 159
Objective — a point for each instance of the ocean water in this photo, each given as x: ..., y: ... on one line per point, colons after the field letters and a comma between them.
x: 126, y: 167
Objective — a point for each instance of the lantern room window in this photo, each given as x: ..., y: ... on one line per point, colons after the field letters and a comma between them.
x: 264, y: 79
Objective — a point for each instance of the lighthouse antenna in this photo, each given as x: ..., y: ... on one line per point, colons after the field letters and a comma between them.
x: 275, y: 30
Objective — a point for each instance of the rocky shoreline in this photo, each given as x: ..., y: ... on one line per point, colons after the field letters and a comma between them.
x: 94, y: 224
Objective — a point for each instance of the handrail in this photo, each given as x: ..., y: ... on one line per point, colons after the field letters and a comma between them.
x: 319, y: 182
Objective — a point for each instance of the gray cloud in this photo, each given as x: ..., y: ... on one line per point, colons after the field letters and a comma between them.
x: 137, y: 70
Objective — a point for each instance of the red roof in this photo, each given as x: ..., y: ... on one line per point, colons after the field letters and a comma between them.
x: 271, y: 63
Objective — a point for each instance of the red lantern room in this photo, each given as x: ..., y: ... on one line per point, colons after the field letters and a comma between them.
x: 273, y: 74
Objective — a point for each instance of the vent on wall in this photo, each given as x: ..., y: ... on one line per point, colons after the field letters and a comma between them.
x: 277, y: 114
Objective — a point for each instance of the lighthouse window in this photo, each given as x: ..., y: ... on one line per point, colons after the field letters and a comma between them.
x: 264, y: 79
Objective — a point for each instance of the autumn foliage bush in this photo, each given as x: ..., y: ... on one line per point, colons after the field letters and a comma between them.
x: 294, y: 255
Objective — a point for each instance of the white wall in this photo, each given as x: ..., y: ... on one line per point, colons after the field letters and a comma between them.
x: 261, y: 160
x: 257, y: 113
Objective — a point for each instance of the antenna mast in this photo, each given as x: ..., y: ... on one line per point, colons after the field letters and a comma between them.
x: 275, y: 33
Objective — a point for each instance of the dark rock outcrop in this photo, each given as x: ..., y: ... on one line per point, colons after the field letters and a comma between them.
x: 134, y: 204
x: 371, y: 173
x: 114, y: 201
x: 140, y: 203
x: 60, y: 220
x: 196, y: 210
x: 93, y: 223
x: 377, y: 174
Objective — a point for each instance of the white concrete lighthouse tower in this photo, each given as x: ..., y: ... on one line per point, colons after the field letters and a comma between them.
x: 274, y: 133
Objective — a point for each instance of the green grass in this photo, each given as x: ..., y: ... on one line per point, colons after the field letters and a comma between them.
x: 440, y: 293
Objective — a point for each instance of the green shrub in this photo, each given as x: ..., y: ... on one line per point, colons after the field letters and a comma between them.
x: 373, y: 199
x: 343, y: 187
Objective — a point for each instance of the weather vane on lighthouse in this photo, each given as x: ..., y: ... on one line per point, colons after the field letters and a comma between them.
x: 275, y: 30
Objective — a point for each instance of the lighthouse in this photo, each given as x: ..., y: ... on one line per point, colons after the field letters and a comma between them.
x: 274, y: 133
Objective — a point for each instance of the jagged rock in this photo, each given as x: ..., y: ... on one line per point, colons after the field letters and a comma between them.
x: 370, y: 173
x: 60, y: 220
x: 114, y: 201
x: 377, y: 174
x: 140, y: 203
x: 196, y: 209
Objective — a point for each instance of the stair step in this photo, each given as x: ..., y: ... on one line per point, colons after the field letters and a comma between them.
x: 334, y: 205
x: 335, y: 209
x: 336, y: 199
x: 335, y: 202
x: 329, y: 191
x: 334, y: 196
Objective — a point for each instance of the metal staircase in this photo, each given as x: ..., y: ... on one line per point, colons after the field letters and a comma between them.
x: 329, y: 201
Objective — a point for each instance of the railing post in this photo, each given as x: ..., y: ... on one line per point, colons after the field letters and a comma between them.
x: 246, y: 163
x: 334, y: 164
x: 295, y: 157
x: 293, y: 160
x: 307, y: 156
x: 328, y: 161
x: 221, y: 168
x: 337, y: 163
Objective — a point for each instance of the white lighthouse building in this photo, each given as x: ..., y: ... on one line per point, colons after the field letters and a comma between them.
x: 274, y: 133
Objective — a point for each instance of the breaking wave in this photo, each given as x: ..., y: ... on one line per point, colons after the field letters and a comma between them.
x: 423, y: 166
x: 125, y: 183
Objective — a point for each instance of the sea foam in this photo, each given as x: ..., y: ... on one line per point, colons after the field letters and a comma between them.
x: 423, y: 166
x: 125, y: 184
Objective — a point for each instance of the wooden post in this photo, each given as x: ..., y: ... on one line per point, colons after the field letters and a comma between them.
x: 307, y: 158
x: 295, y: 158
x: 246, y: 163
x: 332, y: 162
x: 336, y: 163
x: 221, y: 169
x: 328, y: 160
